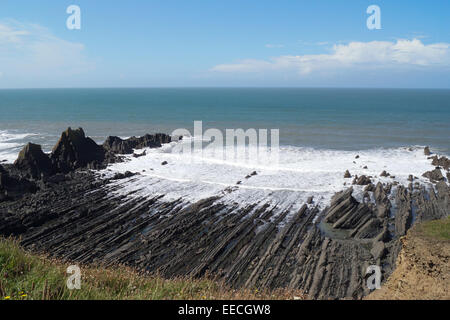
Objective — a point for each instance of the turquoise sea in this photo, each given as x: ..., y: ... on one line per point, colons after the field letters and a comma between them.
x: 341, y: 119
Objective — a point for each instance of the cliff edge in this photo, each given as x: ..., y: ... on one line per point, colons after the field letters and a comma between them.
x: 423, y: 268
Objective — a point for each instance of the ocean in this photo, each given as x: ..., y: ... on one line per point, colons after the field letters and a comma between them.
x: 323, y: 132
x: 338, y: 119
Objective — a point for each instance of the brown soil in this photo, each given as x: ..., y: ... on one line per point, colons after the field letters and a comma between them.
x: 423, y: 270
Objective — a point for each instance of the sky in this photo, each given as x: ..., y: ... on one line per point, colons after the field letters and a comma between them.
x: 224, y: 43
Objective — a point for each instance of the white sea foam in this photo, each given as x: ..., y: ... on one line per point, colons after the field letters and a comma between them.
x: 301, y: 173
x: 10, y: 143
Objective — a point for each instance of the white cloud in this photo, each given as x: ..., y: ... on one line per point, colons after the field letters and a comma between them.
x: 32, y: 51
x: 352, y: 56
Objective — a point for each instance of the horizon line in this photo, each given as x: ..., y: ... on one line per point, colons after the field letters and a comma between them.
x: 227, y: 87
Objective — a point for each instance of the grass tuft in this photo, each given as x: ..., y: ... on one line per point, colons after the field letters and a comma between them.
x: 24, y: 275
x: 436, y: 229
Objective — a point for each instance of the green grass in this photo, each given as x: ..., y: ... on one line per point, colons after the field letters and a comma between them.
x: 437, y: 229
x: 24, y: 275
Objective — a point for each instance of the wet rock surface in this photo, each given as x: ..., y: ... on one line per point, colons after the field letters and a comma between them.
x: 78, y: 217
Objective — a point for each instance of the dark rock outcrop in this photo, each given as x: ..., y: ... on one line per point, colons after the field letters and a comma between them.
x: 34, y: 162
x: 74, y: 150
x: 119, y: 146
x: 127, y: 174
x: 362, y: 180
x: 443, y: 162
x: 434, y: 176
x: 347, y: 175
x: 384, y: 174
x: 13, y: 185
x: 427, y: 151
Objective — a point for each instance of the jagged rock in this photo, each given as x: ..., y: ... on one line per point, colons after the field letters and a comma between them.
x: 362, y: 181
x: 138, y: 155
x: 434, y: 176
x: 347, y: 175
x: 443, y: 162
x: 448, y: 177
x: 164, y: 163
x: 411, y: 178
x: 34, y: 162
x: 384, y: 174
x: 74, y: 150
x: 427, y: 151
x: 309, y: 200
x: 120, y: 146
x: 117, y: 145
x: 119, y: 176
x: 369, y: 187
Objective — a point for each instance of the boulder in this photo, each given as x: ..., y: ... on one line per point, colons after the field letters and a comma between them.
x: 362, y: 181
x: 138, y: 155
x: 34, y: 162
x: 127, y: 174
x: 347, y: 175
x: 384, y: 174
x: 434, y: 176
x: 441, y: 162
x: 426, y: 151
x: 74, y: 150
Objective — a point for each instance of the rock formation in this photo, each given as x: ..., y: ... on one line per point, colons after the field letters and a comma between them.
x: 434, y: 176
x: 74, y: 150
x: 33, y: 161
x: 120, y: 146
x: 443, y: 162
x: 362, y: 181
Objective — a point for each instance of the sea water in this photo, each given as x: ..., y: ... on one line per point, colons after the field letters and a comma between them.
x: 322, y: 131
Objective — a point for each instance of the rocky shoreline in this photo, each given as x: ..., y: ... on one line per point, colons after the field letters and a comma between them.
x: 60, y: 204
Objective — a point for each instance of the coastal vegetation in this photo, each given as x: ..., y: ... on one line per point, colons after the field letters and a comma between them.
x: 28, y: 276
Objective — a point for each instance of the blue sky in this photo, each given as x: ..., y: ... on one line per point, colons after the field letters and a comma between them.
x: 146, y: 43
